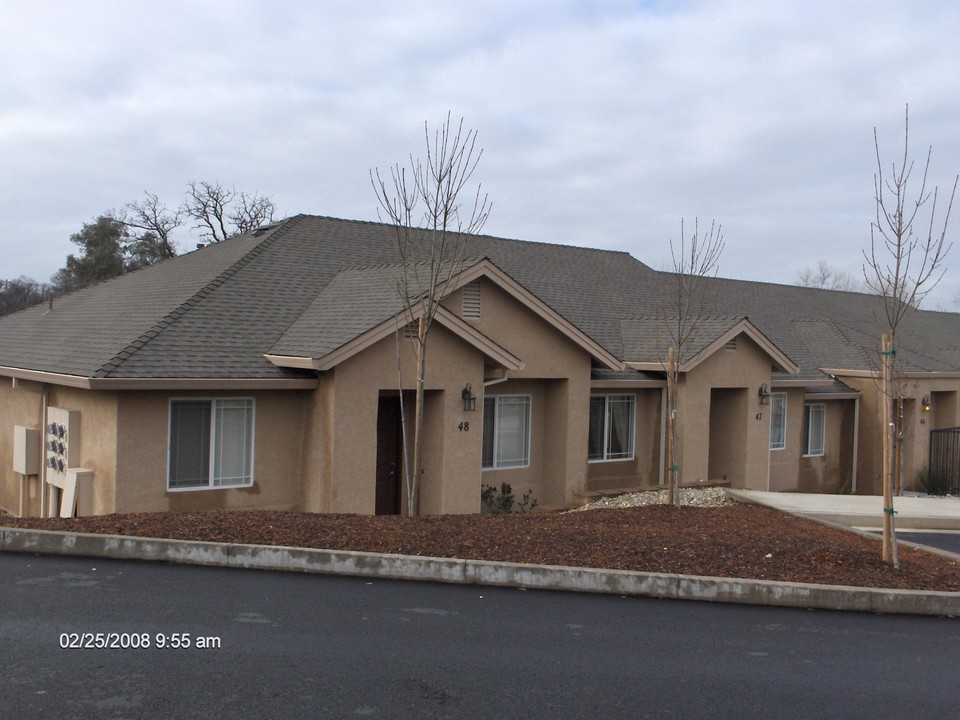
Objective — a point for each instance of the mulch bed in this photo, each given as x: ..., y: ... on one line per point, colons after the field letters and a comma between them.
x: 742, y: 541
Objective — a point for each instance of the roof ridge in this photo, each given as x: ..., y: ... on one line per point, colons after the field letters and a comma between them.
x: 144, y: 339
x: 381, y: 223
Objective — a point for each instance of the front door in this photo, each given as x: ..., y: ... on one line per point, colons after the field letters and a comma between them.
x: 389, y: 456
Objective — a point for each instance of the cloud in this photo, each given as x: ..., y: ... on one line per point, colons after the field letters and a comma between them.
x: 602, y: 124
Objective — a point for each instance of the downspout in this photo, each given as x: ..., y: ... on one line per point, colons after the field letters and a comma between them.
x: 43, y: 451
x: 663, y: 435
x: 856, y: 444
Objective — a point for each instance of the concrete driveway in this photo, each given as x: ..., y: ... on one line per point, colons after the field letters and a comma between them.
x: 861, y: 511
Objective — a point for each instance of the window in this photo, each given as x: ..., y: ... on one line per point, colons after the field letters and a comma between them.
x: 211, y: 443
x: 611, y: 427
x: 778, y: 421
x: 814, y: 420
x: 506, y: 431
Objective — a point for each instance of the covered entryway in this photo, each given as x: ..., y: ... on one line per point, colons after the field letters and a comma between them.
x: 728, y: 435
x: 389, y: 455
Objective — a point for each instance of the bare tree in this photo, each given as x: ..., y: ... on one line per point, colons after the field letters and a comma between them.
x: 219, y: 212
x: 908, y: 248
x: 695, y: 260
x: 21, y: 293
x: 423, y: 202
x: 829, y: 278
x: 153, y: 216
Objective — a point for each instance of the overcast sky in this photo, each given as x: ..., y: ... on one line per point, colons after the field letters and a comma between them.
x: 603, y: 124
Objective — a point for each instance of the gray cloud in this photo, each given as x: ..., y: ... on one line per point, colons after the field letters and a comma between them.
x: 602, y: 125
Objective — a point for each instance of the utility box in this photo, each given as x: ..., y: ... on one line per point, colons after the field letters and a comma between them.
x: 26, y: 450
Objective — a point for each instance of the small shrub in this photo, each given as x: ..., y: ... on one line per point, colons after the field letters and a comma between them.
x: 502, y: 500
x: 934, y: 481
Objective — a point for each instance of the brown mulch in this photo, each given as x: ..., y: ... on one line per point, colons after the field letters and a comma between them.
x: 742, y: 541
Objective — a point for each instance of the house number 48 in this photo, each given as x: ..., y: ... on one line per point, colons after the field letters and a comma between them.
x: 464, y: 427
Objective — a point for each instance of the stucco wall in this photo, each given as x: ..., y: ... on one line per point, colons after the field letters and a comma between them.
x: 142, y: 457
x: 563, y: 406
x: 347, y: 405
x: 98, y: 439
x: 18, y: 406
x: 736, y: 433
x: 644, y: 469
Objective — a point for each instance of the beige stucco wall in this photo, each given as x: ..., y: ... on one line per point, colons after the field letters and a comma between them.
x: 18, y: 406
x: 143, y: 446
x: 558, y: 467
x: 727, y: 433
x: 644, y: 469
x: 916, y: 431
x: 341, y: 440
x: 98, y: 439
x: 832, y: 472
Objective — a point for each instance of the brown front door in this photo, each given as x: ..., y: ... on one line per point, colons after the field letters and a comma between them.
x: 389, y: 456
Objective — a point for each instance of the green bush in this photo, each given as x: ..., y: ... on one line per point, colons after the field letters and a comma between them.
x: 501, y: 500
x: 934, y: 481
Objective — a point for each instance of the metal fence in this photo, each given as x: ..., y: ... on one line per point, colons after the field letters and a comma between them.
x: 943, y: 468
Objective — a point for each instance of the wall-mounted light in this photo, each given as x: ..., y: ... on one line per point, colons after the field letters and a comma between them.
x: 764, y: 394
x: 469, y: 399
x: 926, y: 403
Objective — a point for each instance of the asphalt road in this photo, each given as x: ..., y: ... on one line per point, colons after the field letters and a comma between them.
x: 274, y: 645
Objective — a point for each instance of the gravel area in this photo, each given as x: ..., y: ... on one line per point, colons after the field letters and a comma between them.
x: 692, y: 497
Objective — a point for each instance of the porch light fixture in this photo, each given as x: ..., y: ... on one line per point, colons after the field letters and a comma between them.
x: 469, y: 399
x: 926, y: 403
x: 764, y: 395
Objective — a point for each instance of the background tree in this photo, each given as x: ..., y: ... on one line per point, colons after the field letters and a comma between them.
x: 905, y: 262
x: 102, y: 242
x: 423, y: 203
x: 154, y: 217
x: 829, y: 278
x: 21, y: 293
x: 219, y: 212
x: 694, y: 263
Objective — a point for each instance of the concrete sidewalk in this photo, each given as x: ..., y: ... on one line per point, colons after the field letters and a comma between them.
x: 861, y: 511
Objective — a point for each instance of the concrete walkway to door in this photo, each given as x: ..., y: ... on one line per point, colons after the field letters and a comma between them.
x: 862, y: 511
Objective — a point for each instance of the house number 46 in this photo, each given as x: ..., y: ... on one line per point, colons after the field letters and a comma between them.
x: 464, y: 427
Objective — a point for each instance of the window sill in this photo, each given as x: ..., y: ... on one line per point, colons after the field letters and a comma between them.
x: 209, y: 487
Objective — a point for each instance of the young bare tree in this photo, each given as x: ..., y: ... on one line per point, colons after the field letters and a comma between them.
x: 424, y: 203
x: 695, y: 261
x: 905, y: 262
x: 219, y: 212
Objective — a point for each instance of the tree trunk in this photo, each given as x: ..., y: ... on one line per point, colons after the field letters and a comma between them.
x: 889, y: 440
x: 674, y: 468
x: 413, y: 499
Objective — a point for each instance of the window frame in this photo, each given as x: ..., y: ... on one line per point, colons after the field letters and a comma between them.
x: 607, y: 424
x: 774, y: 398
x: 498, y: 462
x: 809, y: 450
x: 216, y: 407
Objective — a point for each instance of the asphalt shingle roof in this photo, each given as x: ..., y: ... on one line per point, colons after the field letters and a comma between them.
x: 309, y: 284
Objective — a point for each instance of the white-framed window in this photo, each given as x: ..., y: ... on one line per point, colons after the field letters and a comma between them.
x: 506, y: 431
x: 778, y: 420
x: 612, y: 422
x: 210, y: 443
x: 814, y: 426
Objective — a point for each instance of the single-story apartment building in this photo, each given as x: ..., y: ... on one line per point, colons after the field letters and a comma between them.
x: 268, y: 370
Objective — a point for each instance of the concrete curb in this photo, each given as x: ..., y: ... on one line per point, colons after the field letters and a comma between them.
x: 476, y: 572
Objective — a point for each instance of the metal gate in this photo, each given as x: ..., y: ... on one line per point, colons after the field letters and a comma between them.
x: 943, y: 468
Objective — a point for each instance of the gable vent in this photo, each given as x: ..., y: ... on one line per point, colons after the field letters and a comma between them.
x: 730, y: 344
x: 470, y: 300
